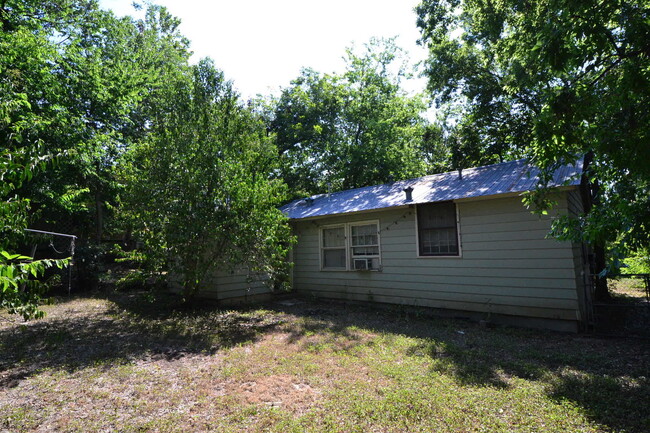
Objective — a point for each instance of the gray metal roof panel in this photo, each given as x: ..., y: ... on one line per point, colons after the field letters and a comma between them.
x: 507, y: 177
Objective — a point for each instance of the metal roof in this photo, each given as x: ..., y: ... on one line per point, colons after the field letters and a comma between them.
x: 507, y: 177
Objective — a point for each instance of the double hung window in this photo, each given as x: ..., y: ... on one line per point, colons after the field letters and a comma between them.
x: 350, y: 246
x: 437, y: 229
x: 333, y: 248
x: 364, y: 245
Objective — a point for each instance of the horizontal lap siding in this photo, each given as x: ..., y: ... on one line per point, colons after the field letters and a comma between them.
x: 222, y: 284
x: 462, y: 281
x: 508, y: 266
x: 581, y: 267
x: 460, y: 306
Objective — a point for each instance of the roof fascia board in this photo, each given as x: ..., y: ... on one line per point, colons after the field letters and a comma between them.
x: 512, y: 194
x: 360, y: 212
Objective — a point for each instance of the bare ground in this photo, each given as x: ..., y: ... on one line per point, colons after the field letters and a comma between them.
x: 134, y: 362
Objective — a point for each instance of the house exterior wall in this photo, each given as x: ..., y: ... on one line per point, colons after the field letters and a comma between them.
x: 581, y: 254
x: 507, y: 266
x: 232, y: 287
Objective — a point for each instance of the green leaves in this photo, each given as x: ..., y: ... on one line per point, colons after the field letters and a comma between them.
x: 552, y: 80
x: 356, y: 129
x: 10, y: 257
x: 75, y: 85
x: 20, y: 290
x: 200, y: 188
x: 80, y: 83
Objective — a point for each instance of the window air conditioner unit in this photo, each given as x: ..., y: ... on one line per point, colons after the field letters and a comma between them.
x: 365, y: 264
x: 362, y: 264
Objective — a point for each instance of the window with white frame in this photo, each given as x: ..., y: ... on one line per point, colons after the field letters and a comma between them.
x: 364, y: 246
x: 437, y: 229
x: 333, y: 247
x: 351, y: 246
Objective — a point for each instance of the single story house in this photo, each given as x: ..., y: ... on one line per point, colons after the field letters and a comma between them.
x: 459, y: 242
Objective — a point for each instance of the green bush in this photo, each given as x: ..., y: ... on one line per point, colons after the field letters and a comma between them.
x: 638, y: 263
x: 21, y: 290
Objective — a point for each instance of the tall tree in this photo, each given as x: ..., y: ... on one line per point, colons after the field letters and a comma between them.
x: 109, y: 72
x: 556, y: 79
x: 88, y: 81
x: 199, y: 184
x: 351, y: 130
x: 28, y: 51
x: 78, y: 84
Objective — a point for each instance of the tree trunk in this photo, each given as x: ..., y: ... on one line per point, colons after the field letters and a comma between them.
x: 590, y: 196
x: 99, y: 219
x: 601, y: 292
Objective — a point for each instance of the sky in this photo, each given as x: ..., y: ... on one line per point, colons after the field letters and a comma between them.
x: 261, y: 45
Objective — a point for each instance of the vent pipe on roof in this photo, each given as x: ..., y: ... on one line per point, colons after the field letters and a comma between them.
x: 460, y: 174
x: 409, y: 193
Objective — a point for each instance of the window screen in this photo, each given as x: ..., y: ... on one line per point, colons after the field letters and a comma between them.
x: 334, y: 247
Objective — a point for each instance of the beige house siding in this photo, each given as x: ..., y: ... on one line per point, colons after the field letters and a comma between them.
x: 507, y: 265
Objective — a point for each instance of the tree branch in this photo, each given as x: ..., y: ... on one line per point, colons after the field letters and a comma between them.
x: 607, y: 69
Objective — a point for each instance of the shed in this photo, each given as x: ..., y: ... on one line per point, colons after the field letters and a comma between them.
x: 459, y: 242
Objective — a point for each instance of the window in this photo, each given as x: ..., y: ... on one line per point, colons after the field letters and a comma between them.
x: 364, y: 246
x: 333, y: 248
x: 352, y: 246
x: 437, y: 229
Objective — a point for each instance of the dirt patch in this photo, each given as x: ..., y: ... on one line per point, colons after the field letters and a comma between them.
x: 118, y: 364
x: 278, y: 391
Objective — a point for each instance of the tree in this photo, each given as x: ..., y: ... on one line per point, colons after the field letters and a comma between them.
x: 26, y: 55
x: 78, y: 84
x: 556, y: 79
x: 200, y: 192
x: 92, y: 81
x: 20, y: 290
x: 356, y: 129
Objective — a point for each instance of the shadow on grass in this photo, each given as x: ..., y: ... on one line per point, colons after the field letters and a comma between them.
x: 136, y: 327
x: 608, y: 378
x: 321, y: 323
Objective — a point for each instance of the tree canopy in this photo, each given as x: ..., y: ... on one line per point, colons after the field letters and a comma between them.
x: 111, y: 99
x: 91, y: 81
x: 200, y: 190
x: 355, y: 129
x: 554, y: 80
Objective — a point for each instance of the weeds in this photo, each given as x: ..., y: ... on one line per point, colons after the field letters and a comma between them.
x: 133, y: 362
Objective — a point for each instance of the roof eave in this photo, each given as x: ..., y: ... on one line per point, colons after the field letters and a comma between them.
x: 359, y: 212
x: 561, y: 188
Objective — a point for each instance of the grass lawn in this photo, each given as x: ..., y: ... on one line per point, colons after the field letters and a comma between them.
x: 627, y: 289
x: 134, y: 363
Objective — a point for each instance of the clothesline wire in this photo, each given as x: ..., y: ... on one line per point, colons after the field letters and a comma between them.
x: 73, y: 238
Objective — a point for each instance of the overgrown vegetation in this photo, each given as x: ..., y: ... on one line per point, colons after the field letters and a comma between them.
x: 147, y: 146
x: 201, y: 194
x: 131, y: 362
x: 638, y: 263
x: 355, y: 129
x: 154, y: 151
x: 553, y: 80
x: 21, y: 285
